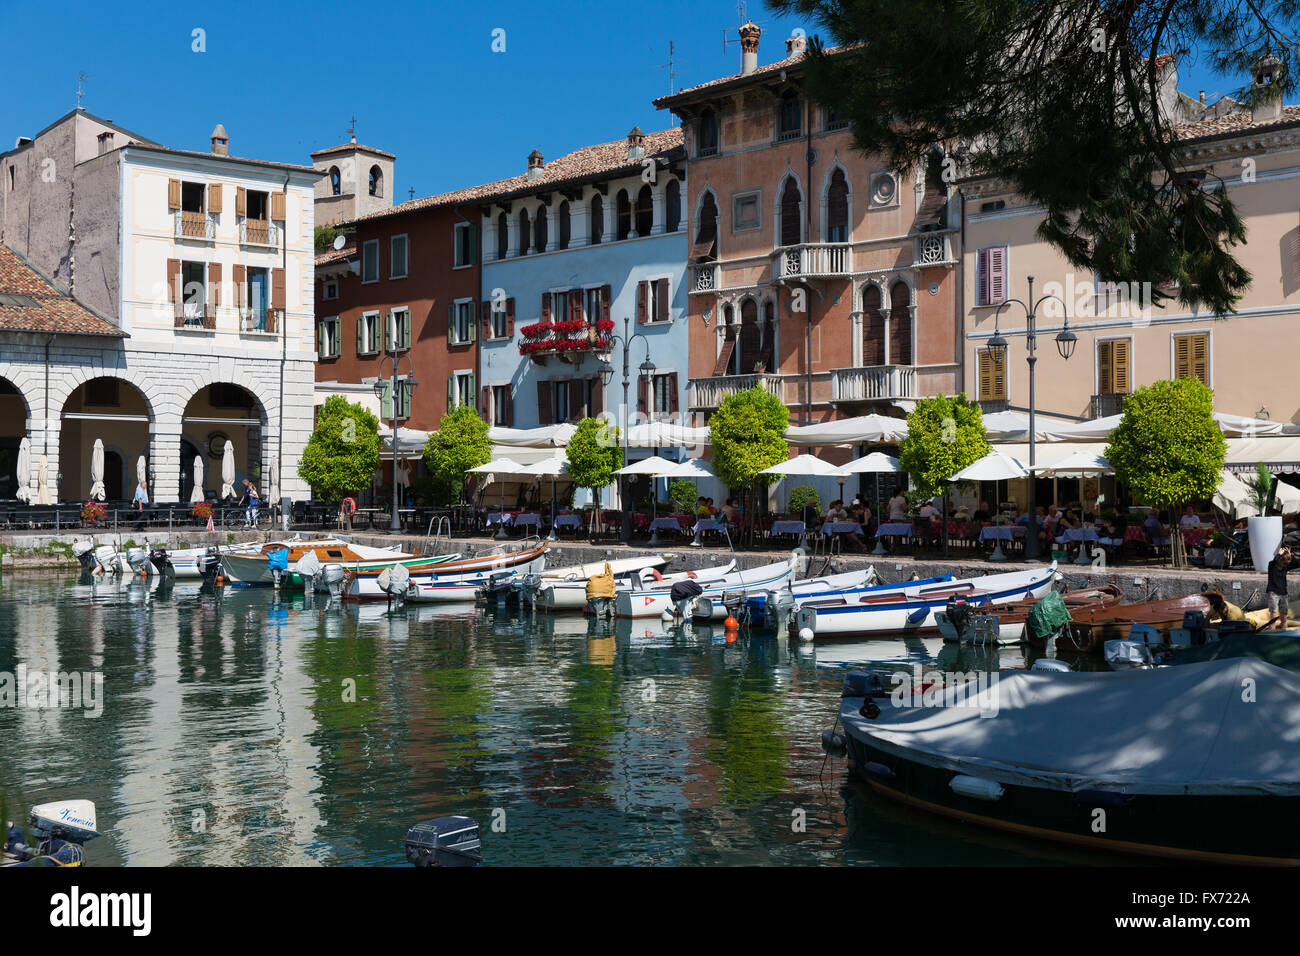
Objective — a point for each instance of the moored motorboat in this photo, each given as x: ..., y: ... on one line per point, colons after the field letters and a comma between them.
x: 1161, y: 751
x: 714, y: 607
x: 257, y: 569
x: 654, y: 601
x: 1008, y: 623
x: 60, y: 830
x: 526, y: 587
x: 1091, y: 627
x: 572, y: 595
x: 362, y: 583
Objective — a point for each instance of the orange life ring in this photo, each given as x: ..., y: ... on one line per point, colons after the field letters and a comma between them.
x: 349, y: 507
x: 657, y: 576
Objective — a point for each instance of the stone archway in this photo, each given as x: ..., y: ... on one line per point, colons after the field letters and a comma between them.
x: 14, y: 415
x: 221, y: 412
x: 116, y: 412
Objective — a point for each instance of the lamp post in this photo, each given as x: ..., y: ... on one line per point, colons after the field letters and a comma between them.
x: 606, y: 373
x: 1065, y: 343
x: 395, y: 524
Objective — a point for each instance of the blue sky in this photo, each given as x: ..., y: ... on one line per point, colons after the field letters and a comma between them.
x: 421, y: 79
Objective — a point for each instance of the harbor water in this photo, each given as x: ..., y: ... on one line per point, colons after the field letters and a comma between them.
x: 249, y: 728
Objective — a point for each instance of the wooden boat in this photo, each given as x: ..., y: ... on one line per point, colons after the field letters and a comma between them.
x: 527, y: 587
x: 909, y: 607
x: 1092, y: 627
x: 1172, y: 756
x: 652, y: 602
x: 1008, y: 623
x: 253, y: 570
x: 572, y: 595
x: 362, y: 583
x: 714, y: 608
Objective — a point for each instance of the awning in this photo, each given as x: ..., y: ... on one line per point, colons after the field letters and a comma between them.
x: 411, y: 440
x: 666, y: 435
x: 548, y: 436
x: 1281, y: 453
x: 862, y: 430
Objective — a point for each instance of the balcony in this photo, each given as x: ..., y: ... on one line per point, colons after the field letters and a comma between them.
x: 821, y: 260
x: 875, y: 383
x: 1104, y: 406
x: 708, y: 393
x: 195, y: 225
x: 193, y: 315
x: 569, y: 341
x: 704, y: 279
x: 258, y: 320
x: 258, y: 232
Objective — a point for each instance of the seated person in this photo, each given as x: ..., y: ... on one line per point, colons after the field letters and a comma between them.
x: 809, y: 516
x: 929, y: 512
x: 729, y: 513
x: 836, y: 511
x: 1224, y: 610
x: 1190, y: 518
x: 1069, y: 521
x: 701, y: 509
x: 984, y: 512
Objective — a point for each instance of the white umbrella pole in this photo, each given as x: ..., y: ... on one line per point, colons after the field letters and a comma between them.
x: 501, y: 525
x: 997, y: 554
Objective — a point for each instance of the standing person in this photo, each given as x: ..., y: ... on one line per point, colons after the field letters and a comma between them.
x: 141, y: 496
x: 898, y: 507
x: 1276, y: 589
x: 729, y: 513
x: 251, y: 501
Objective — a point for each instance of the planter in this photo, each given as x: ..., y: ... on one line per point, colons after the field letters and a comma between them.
x: 1265, y: 536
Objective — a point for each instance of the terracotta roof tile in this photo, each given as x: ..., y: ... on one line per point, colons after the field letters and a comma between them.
x: 53, y: 311
x: 1234, y: 123
x: 295, y: 167
x: 349, y: 147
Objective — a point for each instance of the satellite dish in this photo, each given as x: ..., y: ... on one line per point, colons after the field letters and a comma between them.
x: 340, y: 241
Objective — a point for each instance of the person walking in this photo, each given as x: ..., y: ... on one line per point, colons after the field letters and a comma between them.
x: 250, y: 500
x: 141, y: 496
x: 1276, y: 589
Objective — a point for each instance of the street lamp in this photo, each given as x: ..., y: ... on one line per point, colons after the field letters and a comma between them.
x: 997, y: 345
x: 409, y: 381
x: 606, y: 374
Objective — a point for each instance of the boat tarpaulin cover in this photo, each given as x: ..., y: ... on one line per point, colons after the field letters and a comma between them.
x: 1281, y: 650
x: 1225, y: 727
x: 1049, y: 615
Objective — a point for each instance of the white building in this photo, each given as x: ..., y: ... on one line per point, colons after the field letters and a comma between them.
x: 204, y: 263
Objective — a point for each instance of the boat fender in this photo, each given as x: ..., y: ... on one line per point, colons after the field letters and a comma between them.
x: 877, y: 770
x: 977, y: 788
x: 833, y: 743
x: 919, y: 615
x: 869, y: 709
x: 806, y: 634
x: 1047, y: 664
x: 690, y: 574
x: 1105, y: 799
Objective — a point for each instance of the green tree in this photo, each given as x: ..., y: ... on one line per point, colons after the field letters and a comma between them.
x: 801, y: 496
x: 343, y: 451
x: 594, y: 455
x: 944, y: 435
x: 1060, y: 100
x: 325, y: 237
x: 1168, y: 448
x: 460, y: 443
x: 747, y: 436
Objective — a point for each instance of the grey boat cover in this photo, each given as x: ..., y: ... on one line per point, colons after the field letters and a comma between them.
x: 1223, y: 727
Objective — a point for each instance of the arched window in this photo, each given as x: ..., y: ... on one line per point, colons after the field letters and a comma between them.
x: 706, y: 133
x: 873, y: 328
x: 837, y: 208
x: 645, y: 211
x: 564, y: 224
x: 525, y: 234
x: 706, y: 233
x: 754, y: 346
x: 900, y: 324
x: 539, y: 230
x: 597, y: 219
x: 503, y: 235
x: 673, y: 200
x: 336, y: 182
x: 791, y: 214
x: 376, y: 181
x: 788, y: 123
x: 623, y: 218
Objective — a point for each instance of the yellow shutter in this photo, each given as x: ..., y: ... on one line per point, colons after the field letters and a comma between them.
x: 173, y: 195
x: 986, y: 376
x: 1119, y: 354
x: 1105, y: 373
x: 1182, y: 365
x: 1192, y: 357
x: 992, y: 374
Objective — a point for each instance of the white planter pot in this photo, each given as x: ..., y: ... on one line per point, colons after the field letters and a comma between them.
x: 1265, y: 536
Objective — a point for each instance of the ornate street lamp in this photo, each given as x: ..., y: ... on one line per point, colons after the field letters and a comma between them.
x: 606, y: 374
x: 409, y: 381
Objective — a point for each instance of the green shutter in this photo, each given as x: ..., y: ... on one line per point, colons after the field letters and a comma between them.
x: 388, y: 331
x: 320, y: 339
x: 473, y: 330
x: 406, y: 329
x: 473, y: 244
x: 361, y: 321
x: 451, y: 323
x: 473, y: 392
x: 451, y: 392
x: 386, y: 400
x: 408, y: 396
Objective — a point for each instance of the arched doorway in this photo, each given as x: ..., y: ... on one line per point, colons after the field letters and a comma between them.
x: 115, y: 412
x: 216, y: 414
x: 13, y: 427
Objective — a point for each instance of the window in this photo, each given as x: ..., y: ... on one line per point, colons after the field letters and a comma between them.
x: 745, y: 212
x: 525, y: 234
x: 257, y: 205
x: 659, y: 303
x: 102, y: 392
x: 996, y: 205
x: 192, y: 197
x: 597, y: 219
x: 706, y: 235
x: 401, y: 408
x: 991, y: 275
x: 502, y: 406
x: 1192, y: 356
x: 559, y: 401
x: 399, y: 321
x: 624, y: 216
x: 900, y: 324
x: 673, y: 201
x: 833, y: 120
x: 540, y: 235
x: 368, y: 333
x: 788, y: 120
x: 460, y: 322
x: 873, y: 328
x: 397, y: 257
x: 837, y: 208
x: 992, y: 375
x: 560, y: 306
x: 645, y: 211
x: 194, y: 291
x: 327, y: 338
x: 591, y: 305
x: 376, y: 182
x: 791, y: 214
x: 503, y: 319
x: 404, y: 396
x: 665, y: 394
x: 331, y: 290
x: 565, y: 224
x: 257, y: 299
x: 1113, y: 367
x: 370, y: 260
x: 707, y: 134
x: 460, y: 390
x: 336, y: 182
x: 503, y: 235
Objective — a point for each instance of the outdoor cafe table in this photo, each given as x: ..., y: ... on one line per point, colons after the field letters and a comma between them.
x: 894, y: 529
x: 665, y: 524
x: 1135, y: 533
x: 1004, y: 532
x: 568, y: 521
x: 787, y: 527
x: 523, y: 520
x: 1078, y: 536
x: 707, y: 524
x: 842, y: 527
x: 496, y: 517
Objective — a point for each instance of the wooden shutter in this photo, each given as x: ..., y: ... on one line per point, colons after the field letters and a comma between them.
x: 485, y: 318
x: 992, y: 374
x: 997, y: 275
x: 664, y: 314
x: 546, y: 307
x: 604, y: 302
x: 387, y: 319
x: 1192, y: 357
x: 241, y: 201
x: 361, y: 322
x: 1113, y: 367
x: 277, y: 206
x: 724, y: 356
x: 575, y: 304
x: 597, y: 396
x: 1119, y: 352
x: 672, y: 392
x: 485, y: 404
x: 174, y: 284
x: 873, y: 328
x: 451, y: 323
x: 277, y: 289
x: 642, y: 294
x: 214, y: 284
x: 470, y: 327
x: 239, y: 276
x: 451, y: 392
x: 320, y: 338
x: 544, y: 403
x: 643, y: 394
x: 510, y: 406
x: 404, y: 329
x: 981, y: 277
x: 173, y: 195
x: 214, y: 197
x: 510, y: 317
x: 900, y: 325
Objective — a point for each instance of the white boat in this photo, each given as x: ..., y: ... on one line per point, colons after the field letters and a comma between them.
x: 572, y: 595
x: 254, y: 569
x: 362, y: 584
x: 652, y: 602
x: 187, y: 562
x: 713, y: 607
x: 527, y: 586
x: 911, y: 605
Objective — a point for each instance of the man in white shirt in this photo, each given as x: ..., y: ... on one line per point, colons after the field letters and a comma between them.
x: 929, y: 511
x: 898, y: 507
x: 1191, y: 519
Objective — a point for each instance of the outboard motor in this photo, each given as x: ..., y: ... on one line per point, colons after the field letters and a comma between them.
x: 394, y: 582
x: 333, y: 576
x: 60, y: 828
x: 958, y: 613
x: 106, y: 558
x: 84, y: 552
x: 778, y: 608
x: 309, y: 569
x: 161, y: 563
x: 526, y: 588
x: 138, y: 561
x: 209, y: 565
x: 683, y: 595
x: 446, y: 841
x: 1194, y: 624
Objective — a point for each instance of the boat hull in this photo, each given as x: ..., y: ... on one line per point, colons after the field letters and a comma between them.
x: 572, y: 595
x: 653, y: 602
x: 252, y: 570
x: 1091, y: 628
x: 362, y: 584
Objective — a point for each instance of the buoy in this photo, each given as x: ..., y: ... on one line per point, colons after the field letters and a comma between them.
x: 806, y: 634
x: 730, y: 624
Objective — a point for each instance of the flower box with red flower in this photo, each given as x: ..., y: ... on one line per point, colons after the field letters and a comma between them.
x: 93, y: 513
x: 202, y: 511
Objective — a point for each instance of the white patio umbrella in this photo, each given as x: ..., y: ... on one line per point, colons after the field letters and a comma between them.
x: 551, y: 468
x: 806, y: 466
x: 97, y: 471
x: 994, y: 467
x: 197, y: 494
x: 43, y: 482
x: 864, y: 429
x: 692, y: 468
x: 877, y: 463
x: 228, y: 470
x: 1074, y: 466
x: 499, y: 466
x: 24, y: 492
x: 655, y: 467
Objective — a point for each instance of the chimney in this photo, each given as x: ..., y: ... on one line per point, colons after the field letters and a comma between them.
x: 749, y: 34
x: 535, y: 165
x: 105, y: 142
x: 220, y: 141
x: 1266, y: 102
x: 635, y: 144
x: 795, y: 45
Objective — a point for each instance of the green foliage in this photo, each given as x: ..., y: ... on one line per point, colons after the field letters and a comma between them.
x: 325, y: 236
x: 460, y: 443
x: 1058, y: 99
x: 801, y: 496
x: 746, y: 432
x: 1260, y: 486
x: 683, y: 493
x: 1168, y: 448
x: 945, y: 435
x: 343, y: 451
x: 594, y: 454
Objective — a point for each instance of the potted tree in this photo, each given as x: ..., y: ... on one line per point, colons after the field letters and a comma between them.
x: 1265, y: 530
